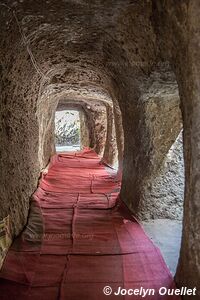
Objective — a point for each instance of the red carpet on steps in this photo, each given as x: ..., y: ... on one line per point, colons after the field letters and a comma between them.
x: 80, y: 238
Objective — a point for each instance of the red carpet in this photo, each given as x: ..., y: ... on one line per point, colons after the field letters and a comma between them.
x: 80, y: 238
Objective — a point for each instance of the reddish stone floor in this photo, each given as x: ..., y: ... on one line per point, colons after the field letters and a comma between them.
x: 81, y: 238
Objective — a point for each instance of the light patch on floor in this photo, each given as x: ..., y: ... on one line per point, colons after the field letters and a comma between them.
x: 166, y: 235
x: 67, y: 148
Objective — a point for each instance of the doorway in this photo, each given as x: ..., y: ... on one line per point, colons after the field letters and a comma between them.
x: 67, y: 130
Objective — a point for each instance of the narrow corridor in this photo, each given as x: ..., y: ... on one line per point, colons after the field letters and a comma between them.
x: 80, y: 238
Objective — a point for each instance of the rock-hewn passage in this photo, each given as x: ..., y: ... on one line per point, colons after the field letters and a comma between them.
x: 80, y: 238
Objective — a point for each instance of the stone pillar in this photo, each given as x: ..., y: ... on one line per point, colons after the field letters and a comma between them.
x: 119, y: 138
x: 110, y: 151
x: 84, y: 130
x: 188, y: 74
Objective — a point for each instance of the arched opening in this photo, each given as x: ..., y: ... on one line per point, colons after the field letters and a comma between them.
x: 157, y: 166
x: 67, y: 130
x: 164, y: 197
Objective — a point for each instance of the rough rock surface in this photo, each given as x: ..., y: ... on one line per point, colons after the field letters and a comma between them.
x: 163, y: 195
x: 97, y: 122
x: 84, y: 129
x: 110, y: 155
x: 180, y: 24
x: 157, y: 124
